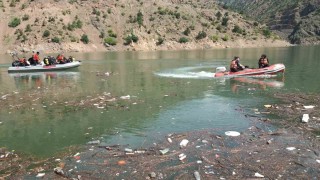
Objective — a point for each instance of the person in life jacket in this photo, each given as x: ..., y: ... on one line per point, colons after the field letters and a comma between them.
x: 263, y: 61
x: 23, y: 62
x: 35, y: 58
x: 60, y: 59
x: 235, y: 65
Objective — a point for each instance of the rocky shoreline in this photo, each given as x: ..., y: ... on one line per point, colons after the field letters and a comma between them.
x: 145, y: 46
x: 290, y: 151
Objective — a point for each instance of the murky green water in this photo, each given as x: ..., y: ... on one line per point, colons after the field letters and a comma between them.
x: 169, y: 92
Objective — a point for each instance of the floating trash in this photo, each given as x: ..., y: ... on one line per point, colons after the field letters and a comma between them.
x: 40, y: 175
x: 182, y: 156
x: 232, y: 133
x: 308, y: 107
x: 184, y: 143
x: 258, y: 175
x: 305, y: 118
x: 290, y: 148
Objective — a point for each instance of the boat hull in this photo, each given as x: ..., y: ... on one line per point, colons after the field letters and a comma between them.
x: 271, y: 70
x: 42, y: 68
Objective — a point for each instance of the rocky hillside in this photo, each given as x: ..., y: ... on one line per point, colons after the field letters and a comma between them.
x: 296, y: 20
x: 98, y: 25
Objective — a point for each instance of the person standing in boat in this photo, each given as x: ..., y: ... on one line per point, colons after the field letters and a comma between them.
x: 263, y: 61
x: 235, y: 65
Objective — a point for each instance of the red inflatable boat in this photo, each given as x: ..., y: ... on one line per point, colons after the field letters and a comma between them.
x: 271, y: 70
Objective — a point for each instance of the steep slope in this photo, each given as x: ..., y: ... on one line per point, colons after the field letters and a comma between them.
x: 297, y: 20
x: 82, y: 25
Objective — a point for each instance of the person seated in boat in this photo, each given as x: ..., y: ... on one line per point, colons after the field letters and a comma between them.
x: 34, y: 60
x: 23, y: 61
x: 235, y: 65
x: 263, y: 61
x: 52, y: 60
x: 60, y: 59
x: 70, y: 59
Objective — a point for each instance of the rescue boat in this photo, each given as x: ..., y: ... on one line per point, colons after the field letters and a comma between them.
x: 271, y: 70
x: 41, y: 68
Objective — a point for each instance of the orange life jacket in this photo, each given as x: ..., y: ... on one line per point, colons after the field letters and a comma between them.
x: 60, y: 58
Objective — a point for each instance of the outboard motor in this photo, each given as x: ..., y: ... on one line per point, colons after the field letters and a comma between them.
x: 221, y: 69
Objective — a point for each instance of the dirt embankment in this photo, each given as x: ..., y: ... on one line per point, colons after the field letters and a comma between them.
x: 290, y: 152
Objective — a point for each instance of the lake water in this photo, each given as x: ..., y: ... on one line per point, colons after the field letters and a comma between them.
x: 167, y: 92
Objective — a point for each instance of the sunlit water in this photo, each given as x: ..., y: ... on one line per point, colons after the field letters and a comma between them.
x: 169, y: 92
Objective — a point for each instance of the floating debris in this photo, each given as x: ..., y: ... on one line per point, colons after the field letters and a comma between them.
x: 232, y: 133
x: 305, y: 118
x: 258, y: 175
x: 184, y: 143
x: 290, y: 148
x: 309, y: 107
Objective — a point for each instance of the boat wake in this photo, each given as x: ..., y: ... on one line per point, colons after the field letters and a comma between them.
x: 189, y: 72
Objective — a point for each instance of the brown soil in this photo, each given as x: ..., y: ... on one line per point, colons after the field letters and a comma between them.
x: 257, y: 152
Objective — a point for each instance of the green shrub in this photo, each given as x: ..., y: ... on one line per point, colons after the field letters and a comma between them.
x: 225, y: 38
x: 214, y: 38
x: 111, y: 33
x: 102, y: 34
x: 183, y: 40
x: 84, y: 39
x: 14, y: 22
x: 237, y: 29
x: 73, y: 39
x: 266, y: 32
x: 46, y: 33
x: 111, y: 41
x: 140, y: 18
x: 28, y: 28
x: 130, y: 38
x: 225, y: 21
x: 72, y: 1
x: 23, y: 6
x: 25, y: 17
x: 187, y: 31
x: 55, y: 40
x: 218, y: 15
x: 201, y: 35
x: 160, y: 41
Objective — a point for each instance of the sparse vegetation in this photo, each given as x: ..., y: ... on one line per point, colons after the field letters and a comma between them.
x: 225, y: 38
x: 14, y: 22
x: 214, y: 38
x: 46, y: 33
x: 201, y: 35
x: 160, y: 41
x: 113, y: 23
x: 28, y: 28
x: 130, y: 38
x: 237, y: 29
x: 183, y: 40
x: 140, y: 18
x: 187, y: 31
x: 55, y: 39
x: 25, y: 17
x: 84, y: 39
x: 110, y: 41
x: 266, y: 32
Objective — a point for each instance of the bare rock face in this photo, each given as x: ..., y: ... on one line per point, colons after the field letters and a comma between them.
x: 297, y: 21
